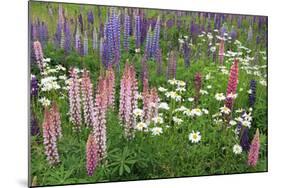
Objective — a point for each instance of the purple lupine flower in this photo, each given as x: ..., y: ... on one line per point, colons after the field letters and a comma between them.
x: 144, y: 28
x: 35, y: 130
x: 233, y: 34
x: 95, y: 39
x: 186, y: 53
x: 85, y: 44
x: 90, y: 17
x: 67, y: 41
x: 244, y: 140
x: 223, y: 30
x: 80, y: 21
x: 252, y: 94
x: 126, y: 31
x: 137, y: 31
x: 148, y: 45
x: 34, y: 86
x: 159, y: 61
x: 156, y: 36
x: 58, y: 34
x: 239, y: 21
x: 78, y: 45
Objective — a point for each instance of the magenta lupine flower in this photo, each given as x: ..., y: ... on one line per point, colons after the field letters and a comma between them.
x: 253, y: 155
x: 172, y: 65
x: 87, y: 98
x: 74, y: 100
x: 50, y: 140
x: 198, y: 86
x: 232, y: 84
x: 38, y: 54
x: 128, y: 99
x: 110, y: 86
x: 55, y: 114
x: 221, y: 52
x: 99, y: 123
x: 91, y: 155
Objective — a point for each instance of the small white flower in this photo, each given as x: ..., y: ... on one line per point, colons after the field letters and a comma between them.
x: 47, y: 60
x: 196, y: 111
x: 239, y: 110
x: 225, y: 110
x: 187, y: 112
x: 172, y: 82
x: 246, y: 123
x: 232, y: 122
x: 139, y: 96
x: 208, y: 76
x: 194, y: 137
x: 263, y: 82
x: 137, y: 112
x: 220, y: 96
x: 180, y: 89
x: 181, y: 109
x: 141, y: 126
x: 44, y: 101
x: 232, y: 96
x: 213, y: 49
x: 162, y: 89
x: 157, y: 119
x: 249, y: 91
x: 205, y: 111
x: 177, y: 120
x: 164, y: 106
x: 204, y: 92
x: 209, y: 87
x: 237, y: 149
x: 137, y: 50
x: 190, y: 99
x: 156, y: 131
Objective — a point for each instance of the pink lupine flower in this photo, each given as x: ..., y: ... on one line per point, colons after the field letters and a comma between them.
x: 110, y: 85
x: 91, y: 155
x: 55, y: 114
x: 50, y: 139
x: 87, y: 98
x: 150, y: 105
x: 221, y: 52
x: 74, y: 100
x: 38, y: 54
x: 128, y: 99
x: 198, y: 86
x: 99, y: 123
x: 253, y: 155
x: 232, y: 84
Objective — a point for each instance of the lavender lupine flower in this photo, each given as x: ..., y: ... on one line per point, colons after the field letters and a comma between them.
x: 37, y: 48
x: 90, y: 17
x: 126, y: 31
x: 172, y: 65
x: 74, y: 100
x: 233, y: 33
x: 253, y: 155
x: 99, y: 123
x: 137, y: 31
x: 244, y: 140
x: 128, y: 99
x: 148, y: 45
x: 35, y: 130
x: 50, y: 140
x: 250, y: 34
x: 223, y: 30
x: 67, y: 41
x: 252, y: 94
x: 186, y: 53
x: 78, y: 45
x: 85, y: 43
x: 58, y: 34
x: 198, y: 86
x: 56, y: 120
x: 159, y: 61
x: 34, y: 86
x: 87, y: 98
x: 95, y: 39
x: 80, y: 21
x: 156, y: 36
x: 144, y: 28
x: 91, y: 155
x: 62, y: 39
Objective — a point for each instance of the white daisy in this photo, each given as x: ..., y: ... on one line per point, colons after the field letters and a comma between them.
x: 225, y: 110
x: 164, y: 106
x: 232, y: 122
x: 237, y: 149
x: 137, y: 112
x: 190, y: 99
x: 157, y: 119
x: 196, y: 111
x: 177, y: 120
x: 220, y: 96
x: 156, y: 131
x: 194, y: 137
x: 141, y: 126
x: 44, y: 101
x: 162, y: 89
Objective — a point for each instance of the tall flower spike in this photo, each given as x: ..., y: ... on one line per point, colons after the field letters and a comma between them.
x: 35, y: 130
x: 252, y: 94
x: 159, y: 61
x: 74, y: 100
x: 67, y: 41
x: 232, y: 84
x: 156, y: 37
x: 172, y: 65
x: 50, y: 139
x: 110, y: 86
x: 38, y: 54
x: 55, y: 114
x: 91, y: 155
x: 87, y: 98
x: 244, y: 141
x: 221, y: 52
x: 34, y: 86
x: 137, y: 31
x: 198, y: 86
x: 253, y: 155
x: 126, y: 31
x: 95, y: 39
x: 99, y: 123
x: 85, y: 48
x: 186, y: 53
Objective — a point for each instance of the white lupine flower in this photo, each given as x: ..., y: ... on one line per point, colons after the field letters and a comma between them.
x: 156, y: 131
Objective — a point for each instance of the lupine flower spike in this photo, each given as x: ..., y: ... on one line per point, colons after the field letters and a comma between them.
x: 253, y: 155
x: 91, y: 155
x: 232, y: 84
x: 56, y: 120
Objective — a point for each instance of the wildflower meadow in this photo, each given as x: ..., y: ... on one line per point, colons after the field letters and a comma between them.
x: 119, y: 93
